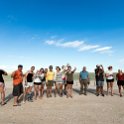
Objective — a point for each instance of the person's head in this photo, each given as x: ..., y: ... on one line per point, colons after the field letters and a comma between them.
x: 20, y: 67
x: 58, y: 69
x: 42, y: 70
x: 119, y: 70
x: 84, y: 68
x: 32, y: 68
x: 97, y: 66
x: 63, y: 67
x: 110, y: 68
x: 69, y: 68
x: 50, y: 67
x: 46, y: 70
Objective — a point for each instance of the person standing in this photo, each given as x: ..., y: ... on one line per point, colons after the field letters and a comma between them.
x: 37, y: 85
x: 96, y: 77
x: 70, y: 81
x: 110, y: 80
x: 2, y: 86
x: 17, y: 84
x: 59, y: 81
x: 43, y: 80
x: 120, y: 81
x: 84, y: 81
x: 29, y: 82
x: 100, y: 80
x: 50, y: 76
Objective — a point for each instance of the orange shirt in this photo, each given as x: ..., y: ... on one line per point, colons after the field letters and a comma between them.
x: 18, y: 77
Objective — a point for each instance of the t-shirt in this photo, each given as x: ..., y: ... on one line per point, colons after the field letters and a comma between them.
x: 50, y: 75
x: 58, y: 77
x: 110, y: 75
x: 84, y: 75
x: 1, y: 76
x: 120, y: 77
x: 18, y: 77
x: 69, y: 76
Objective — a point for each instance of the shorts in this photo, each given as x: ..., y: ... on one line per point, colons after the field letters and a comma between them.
x: 109, y: 80
x: 17, y: 89
x: 37, y: 83
x: 43, y: 83
x: 59, y: 82
x: 70, y: 82
x: 120, y: 83
x: 100, y: 83
x: 30, y: 84
x: 50, y: 83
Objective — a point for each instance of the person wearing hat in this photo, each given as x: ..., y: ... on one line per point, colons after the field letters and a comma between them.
x: 110, y: 80
x: 50, y: 81
x: 17, y: 84
x: 59, y: 81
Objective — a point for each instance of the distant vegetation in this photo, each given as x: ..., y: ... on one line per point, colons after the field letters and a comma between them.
x: 76, y: 77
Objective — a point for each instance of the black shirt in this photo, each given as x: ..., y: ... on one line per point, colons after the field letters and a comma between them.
x: 99, y: 74
x: 1, y: 76
x: 30, y: 77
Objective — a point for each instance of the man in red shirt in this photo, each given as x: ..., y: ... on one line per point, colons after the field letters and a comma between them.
x: 17, y: 84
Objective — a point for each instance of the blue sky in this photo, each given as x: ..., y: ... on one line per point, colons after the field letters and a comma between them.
x: 44, y: 32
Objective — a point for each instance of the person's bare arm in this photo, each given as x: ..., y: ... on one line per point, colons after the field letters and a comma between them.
x: 13, y: 74
x: 5, y: 73
x: 74, y: 70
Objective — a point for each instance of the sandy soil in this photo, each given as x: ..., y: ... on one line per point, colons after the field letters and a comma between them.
x: 78, y: 110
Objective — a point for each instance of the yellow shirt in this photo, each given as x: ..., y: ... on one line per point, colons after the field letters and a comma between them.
x: 50, y: 75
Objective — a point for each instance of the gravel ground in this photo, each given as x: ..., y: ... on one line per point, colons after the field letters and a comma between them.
x: 80, y: 109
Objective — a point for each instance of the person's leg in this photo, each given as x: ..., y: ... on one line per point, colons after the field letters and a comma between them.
x: 102, y: 91
x: 39, y: 91
x: 119, y: 88
x: 67, y: 90
x: 35, y: 91
x: 111, y: 86
x: 42, y: 90
x: 60, y: 91
x: 65, y: 87
x: 81, y: 86
x: 56, y: 89
x: 15, y: 101
x: 85, y: 87
x: 2, y: 94
x: 71, y: 90
x: 50, y: 91
x: 47, y: 92
x: 108, y: 86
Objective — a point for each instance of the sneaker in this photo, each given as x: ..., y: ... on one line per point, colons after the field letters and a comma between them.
x: 120, y: 95
x: 103, y: 95
x: 97, y: 95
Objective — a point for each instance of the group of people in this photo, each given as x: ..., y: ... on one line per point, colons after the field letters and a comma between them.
x: 30, y: 86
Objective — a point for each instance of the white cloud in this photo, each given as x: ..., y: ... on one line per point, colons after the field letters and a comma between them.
x: 50, y: 42
x: 80, y: 46
x: 71, y: 44
x: 88, y: 47
x: 103, y: 49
